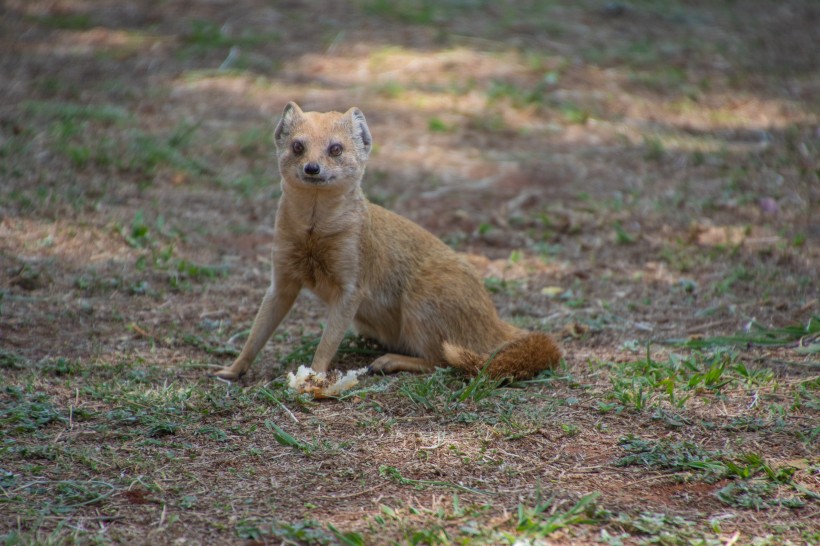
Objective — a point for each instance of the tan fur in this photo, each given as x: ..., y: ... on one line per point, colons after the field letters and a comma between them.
x: 393, y: 280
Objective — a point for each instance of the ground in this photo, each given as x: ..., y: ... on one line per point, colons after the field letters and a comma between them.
x: 638, y: 178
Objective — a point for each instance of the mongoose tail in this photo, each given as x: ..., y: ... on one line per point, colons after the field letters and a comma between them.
x: 520, y: 358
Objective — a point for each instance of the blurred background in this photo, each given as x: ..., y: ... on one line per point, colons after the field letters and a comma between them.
x: 605, y: 163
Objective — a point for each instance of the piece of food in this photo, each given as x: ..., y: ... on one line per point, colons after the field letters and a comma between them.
x: 323, y: 385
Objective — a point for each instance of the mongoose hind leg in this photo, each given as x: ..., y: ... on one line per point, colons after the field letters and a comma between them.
x: 392, y: 363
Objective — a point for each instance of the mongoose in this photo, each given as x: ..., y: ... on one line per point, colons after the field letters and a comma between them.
x: 390, y: 278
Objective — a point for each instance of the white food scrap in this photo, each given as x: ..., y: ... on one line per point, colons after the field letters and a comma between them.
x: 323, y: 385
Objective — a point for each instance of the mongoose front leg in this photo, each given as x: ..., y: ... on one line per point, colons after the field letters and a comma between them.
x: 339, y: 319
x: 275, y: 305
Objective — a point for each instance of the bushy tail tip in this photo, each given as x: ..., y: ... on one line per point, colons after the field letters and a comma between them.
x: 521, y: 358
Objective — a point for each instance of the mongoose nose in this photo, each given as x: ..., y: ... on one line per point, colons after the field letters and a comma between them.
x: 312, y: 169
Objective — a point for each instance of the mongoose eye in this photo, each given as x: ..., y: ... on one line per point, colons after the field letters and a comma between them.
x: 335, y: 150
x: 298, y: 148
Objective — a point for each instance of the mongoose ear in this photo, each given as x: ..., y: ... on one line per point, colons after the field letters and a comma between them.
x: 290, y: 114
x: 360, y: 129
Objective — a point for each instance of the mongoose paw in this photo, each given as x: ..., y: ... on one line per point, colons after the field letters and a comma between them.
x: 227, y: 374
x: 382, y: 365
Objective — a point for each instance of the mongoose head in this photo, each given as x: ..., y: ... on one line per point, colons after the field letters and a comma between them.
x: 318, y: 149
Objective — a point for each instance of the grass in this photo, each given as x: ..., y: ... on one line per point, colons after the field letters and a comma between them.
x: 66, y: 21
x: 755, y: 484
x: 528, y: 522
x: 144, y: 406
x: 307, y: 531
x: 538, y: 523
x: 11, y: 360
x: 393, y: 474
x: 437, y: 125
x: 499, y: 285
x: 654, y: 148
x: 156, y: 243
x: 158, y: 416
x: 285, y: 439
x: 75, y: 112
x: 418, y: 12
x: 75, y: 133
x: 26, y: 412
x: 445, y: 392
x: 653, y: 384
x: 801, y: 335
x: 518, y: 96
x: 623, y: 237
x: 204, y: 35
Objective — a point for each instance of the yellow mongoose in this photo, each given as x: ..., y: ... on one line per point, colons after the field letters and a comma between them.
x: 394, y: 281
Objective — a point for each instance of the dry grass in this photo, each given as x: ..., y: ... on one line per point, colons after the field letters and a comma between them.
x: 640, y: 179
